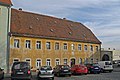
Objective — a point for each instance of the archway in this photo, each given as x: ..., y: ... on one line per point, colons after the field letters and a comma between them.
x: 105, y: 57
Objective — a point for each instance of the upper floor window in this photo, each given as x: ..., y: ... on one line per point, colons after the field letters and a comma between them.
x: 56, y: 46
x: 38, y: 44
x: 48, y: 45
x: 85, y: 47
x: 96, y: 48
x: 91, y: 47
x: 28, y: 44
x: 16, y: 43
x: 72, y: 46
x: 48, y: 63
x: 65, y: 46
x: 79, y: 47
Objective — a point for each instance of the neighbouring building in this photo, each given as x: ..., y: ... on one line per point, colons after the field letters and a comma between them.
x: 116, y: 55
x: 5, y: 13
x: 44, y: 40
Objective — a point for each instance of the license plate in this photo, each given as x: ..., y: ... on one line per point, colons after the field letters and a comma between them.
x: 96, y: 68
x: 65, y: 70
x: 20, y: 73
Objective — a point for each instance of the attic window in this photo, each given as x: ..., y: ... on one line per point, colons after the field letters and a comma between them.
x: 30, y: 27
x: 70, y: 33
x: 51, y: 30
x: 55, y: 21
x: 37, y: 18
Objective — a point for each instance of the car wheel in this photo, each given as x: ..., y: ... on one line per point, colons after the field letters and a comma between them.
x: 69, y: 75
x: 52, y: 78
x: 58, y: 74
x: 12, y: 79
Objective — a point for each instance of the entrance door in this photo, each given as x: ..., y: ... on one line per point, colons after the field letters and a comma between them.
x: 105, y: 57
x: 72, y: 62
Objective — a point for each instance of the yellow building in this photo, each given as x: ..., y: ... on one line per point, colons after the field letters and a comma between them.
x: 45, y: 40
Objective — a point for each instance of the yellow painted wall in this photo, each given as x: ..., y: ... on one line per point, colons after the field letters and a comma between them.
x: 22, y: 53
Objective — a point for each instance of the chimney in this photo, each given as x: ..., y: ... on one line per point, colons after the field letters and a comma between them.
x: 20, y: 9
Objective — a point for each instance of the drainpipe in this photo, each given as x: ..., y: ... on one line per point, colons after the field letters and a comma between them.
x: 8, y: 41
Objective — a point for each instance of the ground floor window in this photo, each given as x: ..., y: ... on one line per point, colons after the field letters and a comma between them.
x: 57, y: 61
x: 16, y: 60
x: 38, y: 63
x: 65, y: 61
x: 48, y: 63
x: 28, y: 60
x: 80, y: 60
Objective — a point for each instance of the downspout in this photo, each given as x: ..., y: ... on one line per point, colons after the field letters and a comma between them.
x: 8, y: 41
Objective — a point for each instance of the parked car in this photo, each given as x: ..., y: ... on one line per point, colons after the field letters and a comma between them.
x: 21, y: 70
x: 106, y: 66
x: 93, y: 68
x: 1, y: 74
x: 62, y: 70
x: 79, y: 69
x: 45, y: 72
x: 118, y: 64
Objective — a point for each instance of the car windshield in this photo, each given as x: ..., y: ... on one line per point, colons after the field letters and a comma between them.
x: 95, y: 64
x: 64, y: 66
x: 108, y: 63
x: 20, y: 65
x: 46, y: 68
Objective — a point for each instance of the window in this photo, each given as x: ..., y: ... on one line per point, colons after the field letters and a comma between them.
x: 91, y: 48
x: 65, y: 61
x: 56, y: 46
x: 38, y: 44
x: 48, y: 62
x: 96, y: 48
x: 28, y: 60
x: 16, y: 43
x: 38, y: 63
x: 72, y: 46
x: 57, y: 61
x: 15, y: 60
x: 65, y: 46
x: 85, y: 47
x: 79, y: 47
x: 80, y: 60
x: 47, y: 45
x: 28, y: 44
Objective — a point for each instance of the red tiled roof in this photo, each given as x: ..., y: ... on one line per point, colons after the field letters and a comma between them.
x: 8, y: 2
x: 37, y: 25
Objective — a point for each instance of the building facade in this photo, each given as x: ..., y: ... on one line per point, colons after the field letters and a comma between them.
x: 5, y: 13
x: 45, y: 40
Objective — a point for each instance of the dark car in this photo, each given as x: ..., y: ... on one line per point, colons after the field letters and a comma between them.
x: 45, y: 72
x: 21, y: 70
x: 79, y: 69
x: 60, y: 70
x: 1, y: 74
x: 93, y: 68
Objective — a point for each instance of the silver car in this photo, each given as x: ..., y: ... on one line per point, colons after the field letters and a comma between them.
x: 45, y: 72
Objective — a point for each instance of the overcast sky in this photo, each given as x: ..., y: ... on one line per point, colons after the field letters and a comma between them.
x: 101, y: 16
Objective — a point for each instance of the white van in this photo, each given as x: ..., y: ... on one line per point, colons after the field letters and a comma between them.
x: 106, y: 66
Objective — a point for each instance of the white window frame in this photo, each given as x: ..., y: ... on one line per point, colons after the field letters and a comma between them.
x: 91, y: 47
x: 38, y: 44
x: 65, y: 46
x: 28, y: 44
x: 85, y: 47
x: 48, y: 63
x: 28, y: 59
x: 65, y: 61
x: 57, y: 62
x: 16, y: 43
x: 38, y: 63
x: 72, y: 46
x: 48, y: 45
x: 79, y: 47
x: 57, y: 46
x: 16, y: 59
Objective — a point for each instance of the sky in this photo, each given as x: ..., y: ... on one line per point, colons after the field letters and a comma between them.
x: 101, y: 16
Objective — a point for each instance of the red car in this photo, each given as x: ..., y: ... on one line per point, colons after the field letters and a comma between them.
x: 79, y: 69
